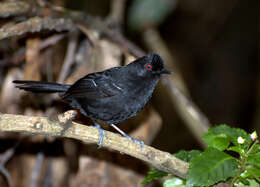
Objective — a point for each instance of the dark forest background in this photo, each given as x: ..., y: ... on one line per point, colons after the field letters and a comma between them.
x: 211, y: 46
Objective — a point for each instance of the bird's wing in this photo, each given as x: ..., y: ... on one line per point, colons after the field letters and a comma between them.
x: 94, y: 86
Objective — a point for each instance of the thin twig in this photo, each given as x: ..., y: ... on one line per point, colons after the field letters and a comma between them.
x: 37, y: 170
x: 48, y: 177
x: 116, y: 15
x: 70, y: 57
x: 53, y: 127
x: 3, y: 159
x: 52, y: 40
x: 190, y: 113
x: 7, y: 175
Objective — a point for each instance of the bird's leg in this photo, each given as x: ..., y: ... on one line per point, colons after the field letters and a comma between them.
x: 101, y: 134
x: 140, y: 142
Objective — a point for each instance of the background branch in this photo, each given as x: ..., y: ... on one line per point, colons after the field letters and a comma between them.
x: 13, y: 8
x: 36, y: 24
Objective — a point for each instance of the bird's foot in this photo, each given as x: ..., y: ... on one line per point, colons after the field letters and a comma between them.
x: 101, y: 134
x: 140, y: 142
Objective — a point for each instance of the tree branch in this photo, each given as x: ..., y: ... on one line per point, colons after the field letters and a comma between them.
x: 13, y: 8
x: 55, y: 127
x: 36, y: 24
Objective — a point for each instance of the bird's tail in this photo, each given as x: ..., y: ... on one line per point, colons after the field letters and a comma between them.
x: 41, y: 87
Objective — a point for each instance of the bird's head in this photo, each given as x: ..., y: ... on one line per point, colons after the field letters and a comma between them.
x: 151, y: 65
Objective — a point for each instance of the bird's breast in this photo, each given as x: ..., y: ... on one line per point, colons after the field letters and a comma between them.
x: 140, y: 94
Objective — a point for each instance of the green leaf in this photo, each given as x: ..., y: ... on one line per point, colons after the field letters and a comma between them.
x: 231, y: 133
x: 255, y: 172
x: 243, y: 180
x: 187, y: 155
x: 154, y: 174
x: 146, y: 13
x: 174, y: 182
x: 254, y: 159
x: 252, y: 183
x: 255, y: 149
x: 218, y: 141
x: 251, y: 172
x: 211, y: 167
x: 237, y: 149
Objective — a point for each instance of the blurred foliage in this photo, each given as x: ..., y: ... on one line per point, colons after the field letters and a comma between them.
x: 214, y: 165
x: 147, y: 13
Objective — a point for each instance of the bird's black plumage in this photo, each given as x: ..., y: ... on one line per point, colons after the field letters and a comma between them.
x: 113, y: 95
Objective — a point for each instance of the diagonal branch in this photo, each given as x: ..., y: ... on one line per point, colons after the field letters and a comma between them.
x: 55, y: 127
x: 36, y: 24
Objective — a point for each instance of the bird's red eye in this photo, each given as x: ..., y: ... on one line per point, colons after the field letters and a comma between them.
x: 148, y: 67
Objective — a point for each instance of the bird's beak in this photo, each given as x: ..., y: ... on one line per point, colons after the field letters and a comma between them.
x: 166, y: 71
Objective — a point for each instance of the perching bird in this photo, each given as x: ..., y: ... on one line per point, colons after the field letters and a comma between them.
x: 111, y: 96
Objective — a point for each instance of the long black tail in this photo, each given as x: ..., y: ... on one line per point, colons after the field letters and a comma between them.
x: 41, y: 87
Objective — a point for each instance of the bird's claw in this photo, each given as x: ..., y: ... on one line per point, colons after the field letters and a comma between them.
x: 140, y: 142
x: 101, y: 135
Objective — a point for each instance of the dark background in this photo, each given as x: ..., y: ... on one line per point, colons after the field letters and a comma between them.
x: 215, y: 48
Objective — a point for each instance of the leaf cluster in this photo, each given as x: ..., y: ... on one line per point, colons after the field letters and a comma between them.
x: 232, y: 156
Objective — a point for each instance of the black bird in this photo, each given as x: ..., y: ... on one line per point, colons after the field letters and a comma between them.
x: 111, y: 96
